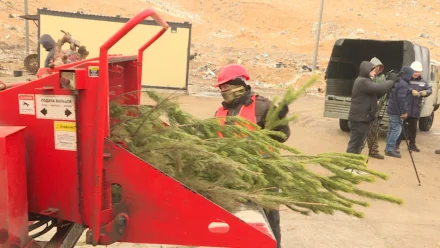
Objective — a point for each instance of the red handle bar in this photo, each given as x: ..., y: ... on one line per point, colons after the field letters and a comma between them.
x: 103, y: 56
x: 102, y: 127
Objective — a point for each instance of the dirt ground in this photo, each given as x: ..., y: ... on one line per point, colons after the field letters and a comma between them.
x: 414, y: 224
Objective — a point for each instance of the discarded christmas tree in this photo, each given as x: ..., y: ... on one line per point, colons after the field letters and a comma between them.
x: 243, y: 166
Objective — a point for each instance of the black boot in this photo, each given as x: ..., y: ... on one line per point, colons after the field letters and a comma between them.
x: 376, y: 156
x: 414, y: 148
x: 393, y: 154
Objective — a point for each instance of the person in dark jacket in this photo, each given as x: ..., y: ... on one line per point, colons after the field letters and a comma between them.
x: 364, y: 106
x: 418, y: 89
x: 397, y: 110
x: 239, y: 100
x: 48, y: 44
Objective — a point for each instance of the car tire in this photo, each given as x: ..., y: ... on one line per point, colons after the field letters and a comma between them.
x: 344, y: 125
x: 425, y: 123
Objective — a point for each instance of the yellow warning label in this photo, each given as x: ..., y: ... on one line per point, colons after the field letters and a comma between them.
x: 65, y: 135
x: 65, y: 126
x: 93, y: 71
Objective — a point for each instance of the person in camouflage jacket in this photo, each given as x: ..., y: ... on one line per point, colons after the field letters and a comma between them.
x: 372, y: 139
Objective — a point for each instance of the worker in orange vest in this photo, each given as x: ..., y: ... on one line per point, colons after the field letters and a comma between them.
x: 240, y: 101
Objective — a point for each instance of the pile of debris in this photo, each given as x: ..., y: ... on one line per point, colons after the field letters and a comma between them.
x: 265, y: 73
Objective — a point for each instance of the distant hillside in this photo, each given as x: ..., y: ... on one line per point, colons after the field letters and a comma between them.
x: 257, y: 33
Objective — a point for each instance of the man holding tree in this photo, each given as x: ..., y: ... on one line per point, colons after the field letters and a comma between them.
x: 239, y: 100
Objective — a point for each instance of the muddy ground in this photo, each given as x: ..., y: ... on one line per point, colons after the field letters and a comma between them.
x: 414, y: 224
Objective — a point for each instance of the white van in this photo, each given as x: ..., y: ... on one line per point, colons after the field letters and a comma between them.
x: 432, y: 102
x: 343, y: 69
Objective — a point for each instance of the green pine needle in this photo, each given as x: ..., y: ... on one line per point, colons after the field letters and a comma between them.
x: 244, y: 166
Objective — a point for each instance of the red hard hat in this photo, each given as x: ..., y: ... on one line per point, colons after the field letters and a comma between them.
x: 231, y: 72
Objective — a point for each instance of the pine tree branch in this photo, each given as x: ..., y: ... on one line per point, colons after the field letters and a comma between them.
x: 244, y: 165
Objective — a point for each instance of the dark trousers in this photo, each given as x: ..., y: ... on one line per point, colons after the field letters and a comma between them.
x: 410, y: 126
x: 358, y: 134
x: 273, y: 216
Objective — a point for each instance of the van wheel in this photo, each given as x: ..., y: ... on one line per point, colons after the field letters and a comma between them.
x: 425, y: 123
x: 344, y: 125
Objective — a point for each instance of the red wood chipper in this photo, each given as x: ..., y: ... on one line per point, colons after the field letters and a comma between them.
x: 58, y: 166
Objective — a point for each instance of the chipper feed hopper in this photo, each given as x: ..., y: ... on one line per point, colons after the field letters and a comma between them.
x: 58, y: 166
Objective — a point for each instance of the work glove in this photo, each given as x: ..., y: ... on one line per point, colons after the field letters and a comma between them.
x: 415, y: 93
x: 423, y: 93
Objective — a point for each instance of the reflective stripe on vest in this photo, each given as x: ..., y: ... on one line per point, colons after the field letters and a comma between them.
x: 246, y: 112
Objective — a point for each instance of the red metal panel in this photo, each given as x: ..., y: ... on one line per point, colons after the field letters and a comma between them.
x: 13, y: 188
x: 117, y: 83
x: 131, y: 84
x: 54, y: 178
x: 52, y: 173
x: 163, y: 211
x: 88, y: 129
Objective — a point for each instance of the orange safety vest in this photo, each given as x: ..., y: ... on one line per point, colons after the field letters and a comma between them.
x: 246, y: 112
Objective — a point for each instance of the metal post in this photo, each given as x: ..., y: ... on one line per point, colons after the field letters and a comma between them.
x: 318, y: 34
x: 26, y: 25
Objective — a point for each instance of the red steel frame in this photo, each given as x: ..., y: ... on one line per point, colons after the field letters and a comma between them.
x: 75, y: 186
x: 13, y: 199
x: 103, y: 118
